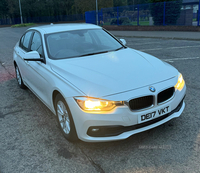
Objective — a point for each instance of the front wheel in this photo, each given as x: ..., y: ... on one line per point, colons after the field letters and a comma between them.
x: 65, y: 119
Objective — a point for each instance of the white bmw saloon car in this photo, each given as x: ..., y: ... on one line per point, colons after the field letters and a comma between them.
x: 98, y: 88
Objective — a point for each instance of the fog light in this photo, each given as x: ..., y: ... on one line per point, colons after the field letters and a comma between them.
x: 95, y: 130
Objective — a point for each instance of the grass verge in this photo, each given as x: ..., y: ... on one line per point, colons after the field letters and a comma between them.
x: 22, y: 25
x: 141, y: 23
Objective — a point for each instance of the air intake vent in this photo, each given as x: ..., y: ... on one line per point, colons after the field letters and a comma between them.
x: 165, y: 95
x: 141, y: 103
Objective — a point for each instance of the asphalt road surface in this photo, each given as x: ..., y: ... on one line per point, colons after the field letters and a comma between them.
x: 31, y: 142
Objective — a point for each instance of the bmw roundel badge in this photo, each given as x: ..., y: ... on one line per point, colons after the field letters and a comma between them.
x: 152, y: 89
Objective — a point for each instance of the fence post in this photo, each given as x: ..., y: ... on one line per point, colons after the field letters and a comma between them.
x: 164, y: 14
x: 198, y: 17
x: 117, y: 15
x: 138, y: 14
x: 97, y: 13
x: 102, y: 15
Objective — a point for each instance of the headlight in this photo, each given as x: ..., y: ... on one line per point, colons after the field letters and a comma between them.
x: 94, y: 104
x: 180, y: 84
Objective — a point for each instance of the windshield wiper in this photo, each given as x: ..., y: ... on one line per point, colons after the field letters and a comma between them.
x: 93, y: 53
x: 119, y: 48
x: 101, y: 52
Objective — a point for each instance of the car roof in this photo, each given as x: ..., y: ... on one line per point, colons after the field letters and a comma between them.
x: 52, y: 28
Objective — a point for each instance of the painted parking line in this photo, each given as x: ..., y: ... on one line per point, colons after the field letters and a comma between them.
x: 152, y: 42
x: 151, y: 49
x: 182, y: 47
x: 180, y: 59
x: 145, y: 43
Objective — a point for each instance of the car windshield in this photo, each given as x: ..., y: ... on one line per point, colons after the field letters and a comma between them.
x: 80, y: 43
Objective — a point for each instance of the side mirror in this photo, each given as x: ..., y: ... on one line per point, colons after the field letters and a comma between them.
x: 123, y: 41
x: 32, y: 56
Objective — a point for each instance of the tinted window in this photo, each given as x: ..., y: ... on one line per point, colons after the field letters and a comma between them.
x: 80, y: 43
x: 21, y: 41
x: 103, y: 39
x: 37, y: 43
x: 26, y: 40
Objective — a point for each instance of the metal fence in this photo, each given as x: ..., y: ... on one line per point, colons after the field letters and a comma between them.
x: 162, y: 13
x: 43, y: 19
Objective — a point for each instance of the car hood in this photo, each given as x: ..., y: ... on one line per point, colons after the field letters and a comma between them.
x: 113, y: 72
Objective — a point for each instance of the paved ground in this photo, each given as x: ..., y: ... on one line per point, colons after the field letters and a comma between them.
x: 31, y: 141
x: 160, y: 34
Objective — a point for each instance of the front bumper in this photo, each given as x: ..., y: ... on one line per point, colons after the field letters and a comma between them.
x: 107, y: 131
x: 121, y: 123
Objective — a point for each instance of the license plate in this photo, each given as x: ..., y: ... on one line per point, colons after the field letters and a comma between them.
x: 154, y: 114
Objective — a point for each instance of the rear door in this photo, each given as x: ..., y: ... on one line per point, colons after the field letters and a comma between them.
x: 24, y: 45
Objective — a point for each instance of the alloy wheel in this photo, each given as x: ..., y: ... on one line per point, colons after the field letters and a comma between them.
x: 63, y: 117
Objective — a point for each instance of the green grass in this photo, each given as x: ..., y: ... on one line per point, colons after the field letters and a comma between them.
x: 141, y: 23
x: 22, y: 25
x: 106, y: 23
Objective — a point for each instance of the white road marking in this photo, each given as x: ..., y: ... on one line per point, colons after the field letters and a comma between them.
x: 145, y: 43
x: 151, y: 49
x: 183, y: 47
x: 179, y: 59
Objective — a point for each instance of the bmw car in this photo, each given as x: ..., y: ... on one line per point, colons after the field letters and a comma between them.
x: 98, y: 88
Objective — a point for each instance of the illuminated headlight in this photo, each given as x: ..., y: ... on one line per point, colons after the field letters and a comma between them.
x: 95, y: 104
x: 180, y: 84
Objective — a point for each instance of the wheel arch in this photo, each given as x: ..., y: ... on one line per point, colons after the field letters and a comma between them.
x: 15, y: 64
x: 54, y: 94
x: 74, y: 137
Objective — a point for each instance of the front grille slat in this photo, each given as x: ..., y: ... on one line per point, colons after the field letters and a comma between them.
x: 141, y: 103
x: 147, y: 101
x: 165, y: 95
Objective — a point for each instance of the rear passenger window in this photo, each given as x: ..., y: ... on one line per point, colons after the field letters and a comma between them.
x: 21, y: 41
x: 26, y: 41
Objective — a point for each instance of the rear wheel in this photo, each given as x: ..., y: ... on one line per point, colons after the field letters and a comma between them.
x: 19, y: 78
x: 65, y: 119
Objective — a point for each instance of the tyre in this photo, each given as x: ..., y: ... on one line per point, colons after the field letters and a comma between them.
x: 65, y: 120
x: 19, y: 78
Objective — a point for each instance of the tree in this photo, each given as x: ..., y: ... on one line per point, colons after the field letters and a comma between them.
x: 3, y: 8
x: 118, y: 3
x: 49, y: 10
x: 172, y: 11
x: 135, y: 2
x: 13, y: 11
x: 105, y: 3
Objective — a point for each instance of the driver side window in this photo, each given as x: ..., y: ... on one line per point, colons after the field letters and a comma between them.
x: 36, y: 44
